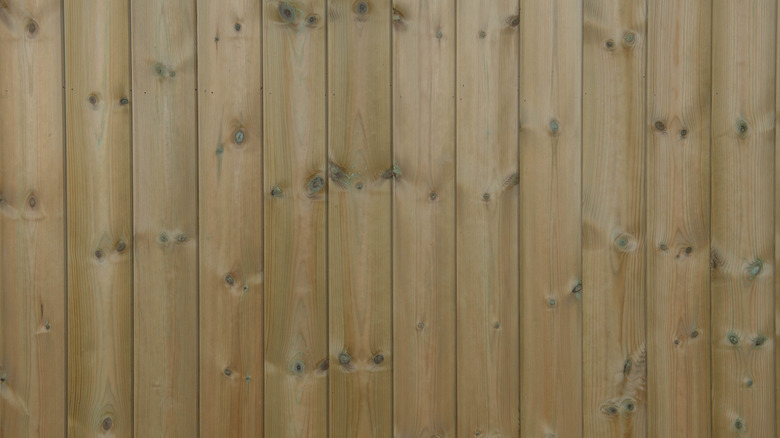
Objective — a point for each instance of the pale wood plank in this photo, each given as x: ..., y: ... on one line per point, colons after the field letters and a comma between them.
x: 32, y: 228
x: 743, y: 138
x: 613, y: 229
x: 295, y: 157
x: 165, y: 189
x: 230, y: 218
x: 100, y: 219
x: 359, y: 218
x: 488, y: 387
x: 777, y: 233
x: 678, y: 196
x: 550, y: 218
x: 424, y: 218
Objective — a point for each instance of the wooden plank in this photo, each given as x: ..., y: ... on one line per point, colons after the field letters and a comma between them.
x: 777, y: 233
x: 32, y: 227
x: 742, y: 279
x: 230, y: 217
x: 613, y: 229
x: 424, y: 218
x: 550, y: 218
x: 678, y: 196
x: 100, y: 219
x: 165, y: 181
x: 488, y: 387
x: 359, y: 218
x: 295, y: 159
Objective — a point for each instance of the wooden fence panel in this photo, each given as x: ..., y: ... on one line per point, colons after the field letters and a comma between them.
x: 488, y: 388
x: 678, y: 196
x: 165, y: 207
x: 550, y: 218
x: 359, y: 218
x: 230, y: 138
x: 742, y: 279
x: 424, y: 218
x: 100, y: 218
x: 295, y: 228
x: 32, y: 221
x: 613, y: 225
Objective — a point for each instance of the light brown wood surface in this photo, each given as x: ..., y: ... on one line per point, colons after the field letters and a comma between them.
x: 742, y: 278
x: 100, y: 219
x: 424, y: 218
x: 32, y: 221
x: 165, y: 196
x: 360, y: 170
x: 550, y: 218
x: 230, y: 159
x: 613, y: 223
x: 488, y: 367
x: 295, y: 194
x: 376, y: 218
x: 678, y: 196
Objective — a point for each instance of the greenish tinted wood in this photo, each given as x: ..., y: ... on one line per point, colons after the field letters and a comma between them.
x: 32, y: 228
x: 165, y: 196
x: 742, y: 278
x: 100, y: 219
x: 230, y: 158
x: 613, y: 228
x: 550, y: 218
x: 424, y: 403
x: 488, y: 366
x: 295, y: 157
x: 359, y: 219
x: 678, y: 197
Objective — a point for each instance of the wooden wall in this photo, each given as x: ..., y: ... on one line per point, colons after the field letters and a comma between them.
x: 389, y: 218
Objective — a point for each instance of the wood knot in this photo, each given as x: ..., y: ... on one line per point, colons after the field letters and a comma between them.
x: 312, y: 20
x: 32, y: 27
x: 124, y: 101
x: 107, y: 423
x: 121, y: 246
x: 397, y: 15
x: 361, y: 7
x: 344, y: 358
x: 393, y: 172
x: 609, y: 408
x: 742, y: 128
x: 378, y: 359
x: 513, y: 21
x: 239, y: 136
x: 577, y: 289
x: 625, y: 242
x: 754, y: 268
x: 286, y: 12
x: 628, y: 38
x: 759, y: 341
x: 276, y: 192
x: 298, y: 368
x: 659, y: 125
x: 315, y: 185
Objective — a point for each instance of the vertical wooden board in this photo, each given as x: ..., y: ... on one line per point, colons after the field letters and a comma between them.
x: 165, y: 193
x: 100, y: 219
x: 230, y: 217
x: 424, y: 218
x: 32, y: 227
x: 613, y: 229
x: 743, y: 136
x: 678, y: 196
x: 359, y: 218
x: 550, y: 218
x: 488, y: 377
x: 295, y: 156
x: 777, y: 231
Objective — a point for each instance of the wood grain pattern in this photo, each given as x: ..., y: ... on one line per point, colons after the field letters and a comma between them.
x: 424, y: 218
x: 32, y: 227
x: 743, y: 141
x: 165, y: 196
x: 550, y: 218
x: 230, y: 137
x: 359, y: 218
x: 295, y: 228
x: 613, y: 228
x: 678, y: 197
x: 100, y: 219
x: 488, y: 388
